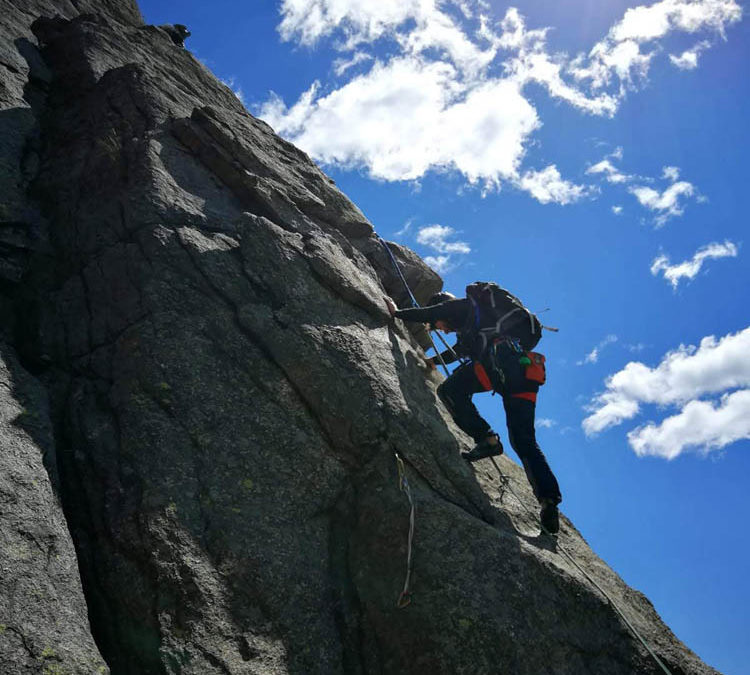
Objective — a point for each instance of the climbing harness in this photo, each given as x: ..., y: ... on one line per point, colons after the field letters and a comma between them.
x: 416, y: 304
x: 505, y: 485
x: 404, y: 598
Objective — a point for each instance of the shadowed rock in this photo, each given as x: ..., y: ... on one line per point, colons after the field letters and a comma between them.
x: 203, y: 310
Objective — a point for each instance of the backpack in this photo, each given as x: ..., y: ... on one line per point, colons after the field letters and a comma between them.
x: 500, y: 314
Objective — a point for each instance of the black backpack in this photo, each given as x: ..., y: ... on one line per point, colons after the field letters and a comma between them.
x: 498, y: 313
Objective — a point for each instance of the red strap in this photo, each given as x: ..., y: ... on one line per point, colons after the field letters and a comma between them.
x: 482, y: 376
x: 527, y: 395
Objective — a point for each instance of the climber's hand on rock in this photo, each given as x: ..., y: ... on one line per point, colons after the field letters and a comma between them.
x: 430, y: 363
x: 391, y: 306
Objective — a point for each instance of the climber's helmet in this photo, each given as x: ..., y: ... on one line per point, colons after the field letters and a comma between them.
x: 443, y: 296
x: 436, y: 299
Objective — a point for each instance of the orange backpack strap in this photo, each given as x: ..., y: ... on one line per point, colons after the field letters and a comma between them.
x: 482, y: 376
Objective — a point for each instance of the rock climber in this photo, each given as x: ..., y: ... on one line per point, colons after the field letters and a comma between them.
x: 495, y: 361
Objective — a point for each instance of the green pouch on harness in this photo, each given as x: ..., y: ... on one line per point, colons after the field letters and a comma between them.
x: 514, y: 370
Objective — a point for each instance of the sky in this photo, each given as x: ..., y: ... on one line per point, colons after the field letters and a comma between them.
x: 592, y: 157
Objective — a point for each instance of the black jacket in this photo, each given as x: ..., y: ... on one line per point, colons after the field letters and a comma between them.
x: 458, y: 314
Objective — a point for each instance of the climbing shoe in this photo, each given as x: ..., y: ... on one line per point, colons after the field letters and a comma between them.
x: 485, y: 448
x: 550, y: 517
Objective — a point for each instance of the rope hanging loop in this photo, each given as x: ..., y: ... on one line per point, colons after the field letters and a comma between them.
x: 404, y: 598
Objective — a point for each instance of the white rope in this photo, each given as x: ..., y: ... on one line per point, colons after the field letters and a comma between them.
x: 405, y: 597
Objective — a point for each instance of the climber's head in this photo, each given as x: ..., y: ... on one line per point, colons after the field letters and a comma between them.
x: 436, y: 299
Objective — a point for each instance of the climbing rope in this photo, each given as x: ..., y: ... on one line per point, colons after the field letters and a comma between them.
x: 398, y: 270
x: 404, y: 599
x: 416, y: 304
x: 505, y: 484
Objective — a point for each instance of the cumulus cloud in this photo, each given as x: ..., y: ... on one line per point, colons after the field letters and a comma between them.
x: 403, y: 118
x: 620, y: 53
x: 548, y: 186
x: 667, y: 203
x: 671, y: 201
x: 689, y: 269
x: 671, y: 173
x: 532, y: 63
x: 607, y: 169
x: 436, y: 238
x: 684, y: 375
x: 688, y: 60
x: 340, y: 66
x: 593, y: 355
x: 440, y: 263
x: 451, y: 94
x: 545, y: 423
x: 308, y: 21
x: 700, y: 425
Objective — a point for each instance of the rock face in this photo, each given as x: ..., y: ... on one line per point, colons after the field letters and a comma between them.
x: 194, y: 339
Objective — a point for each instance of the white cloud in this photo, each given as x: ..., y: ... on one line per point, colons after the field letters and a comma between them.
x: 440, y: 263
x: 405, y: 229
x: 548, y: 186
x: 545, y: 423
x: 533, y: 64
x: 644, y: 24
x: 688, y: 60
x: 593, y: 355
x: 668, y: 203
x: 606, y: 168
x: 700, y: 425
x: 361, y: 20
x: 620, y: 52
x: 689, y: 269
x: 406, y: 116
x: 684, y: 374
x: 340, y: 66
x: 452, y: 92
x: 364, y: 21
x: 671, y: 173
x: 436, y: 237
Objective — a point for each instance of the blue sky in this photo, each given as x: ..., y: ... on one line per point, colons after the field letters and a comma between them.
x: 591, y: 157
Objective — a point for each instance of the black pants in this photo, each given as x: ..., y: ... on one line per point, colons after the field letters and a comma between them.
x: 456, y: 393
